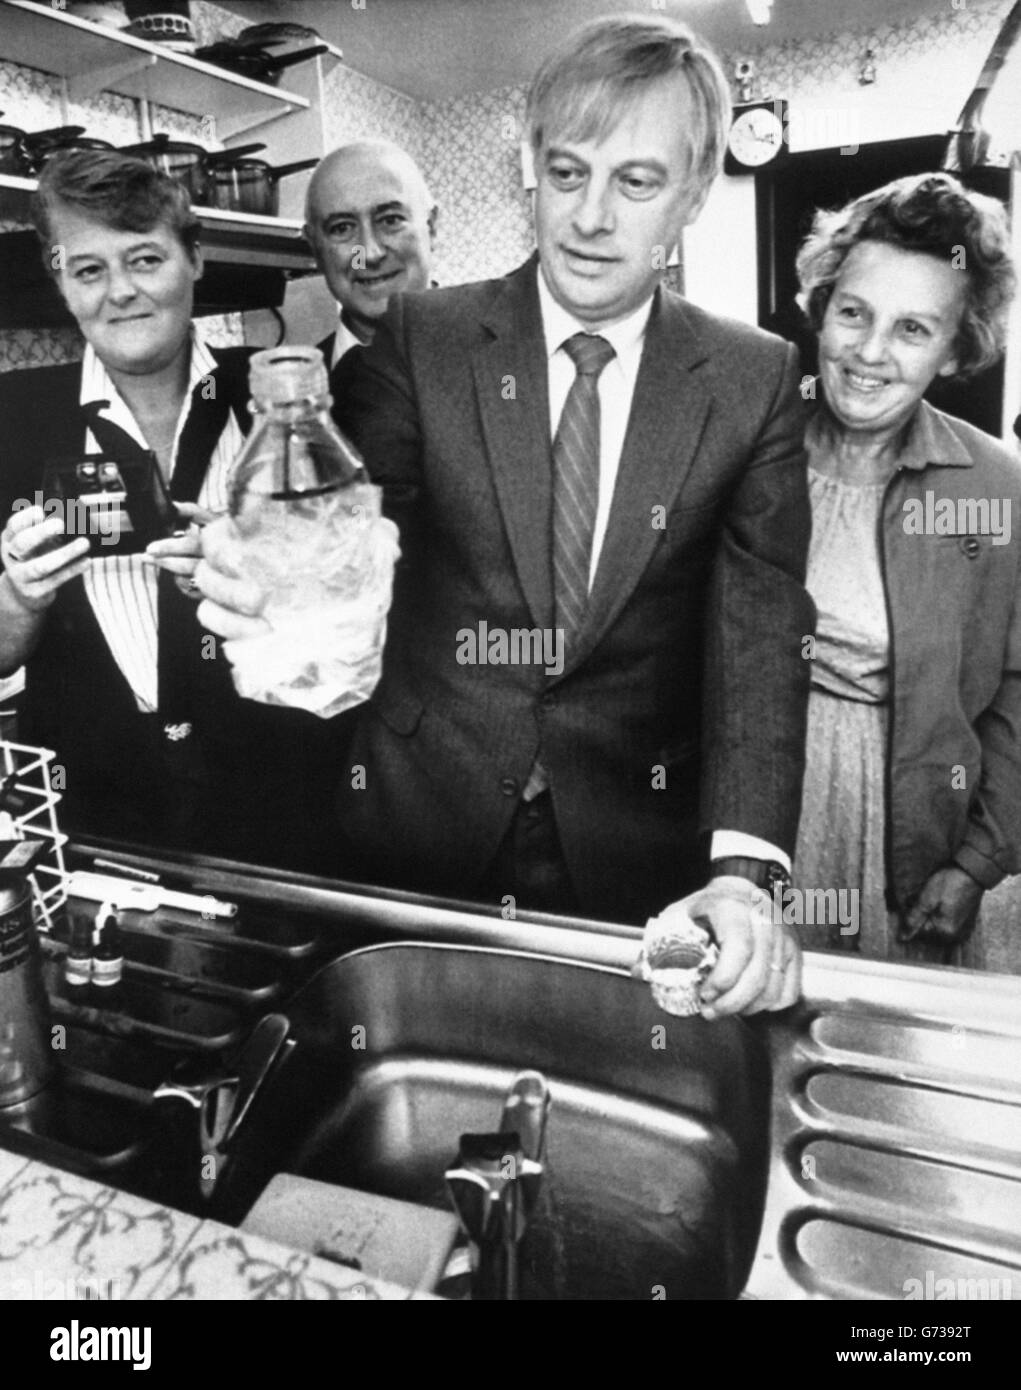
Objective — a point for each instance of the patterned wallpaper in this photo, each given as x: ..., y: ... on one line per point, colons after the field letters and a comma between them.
x: 473, y: 163
x: 356, y: 107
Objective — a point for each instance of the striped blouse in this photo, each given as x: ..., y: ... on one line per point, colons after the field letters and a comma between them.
x: 122, y: 589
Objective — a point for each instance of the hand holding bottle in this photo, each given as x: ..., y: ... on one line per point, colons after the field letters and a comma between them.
x: 232, y: 604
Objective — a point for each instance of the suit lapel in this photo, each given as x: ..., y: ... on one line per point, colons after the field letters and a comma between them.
x: 668, y: 414
x: 516, y: 432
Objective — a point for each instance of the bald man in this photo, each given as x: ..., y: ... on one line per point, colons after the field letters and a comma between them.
x: 371, y: 223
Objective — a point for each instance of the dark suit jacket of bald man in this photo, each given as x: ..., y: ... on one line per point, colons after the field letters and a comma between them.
x: 683, y: 708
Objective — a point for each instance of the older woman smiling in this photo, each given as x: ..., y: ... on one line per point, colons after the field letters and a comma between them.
x: 913, y: 777
x: 120, y: 678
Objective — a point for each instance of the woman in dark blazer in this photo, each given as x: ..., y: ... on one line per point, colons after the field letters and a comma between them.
x: 121, y: 680
x: 912, y: 793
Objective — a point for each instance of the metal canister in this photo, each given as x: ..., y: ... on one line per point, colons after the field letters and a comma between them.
x: 26, y: 1054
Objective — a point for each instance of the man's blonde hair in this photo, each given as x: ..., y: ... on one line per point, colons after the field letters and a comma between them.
x: 581, y: 90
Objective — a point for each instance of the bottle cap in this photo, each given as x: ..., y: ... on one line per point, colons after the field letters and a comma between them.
x: 284, y: 375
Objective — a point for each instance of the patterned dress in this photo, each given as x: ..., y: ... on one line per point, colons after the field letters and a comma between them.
x: 841, y: 837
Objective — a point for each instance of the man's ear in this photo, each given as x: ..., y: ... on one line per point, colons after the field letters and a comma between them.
x: 695, y: 206
x: 197, y: 263
x: 313, y: 245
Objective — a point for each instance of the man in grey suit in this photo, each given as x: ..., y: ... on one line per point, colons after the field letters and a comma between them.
x: 593, y: 682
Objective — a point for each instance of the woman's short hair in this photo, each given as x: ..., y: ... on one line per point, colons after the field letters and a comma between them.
x: 118, y: 190
x: 582, y: 88
x: 934, y: 215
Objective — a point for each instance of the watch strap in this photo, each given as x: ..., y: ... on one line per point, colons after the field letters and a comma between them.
x: 764, y: 873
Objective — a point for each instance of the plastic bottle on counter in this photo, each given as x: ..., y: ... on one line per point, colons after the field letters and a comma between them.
x: 107, y: 957
x: 311, y: 534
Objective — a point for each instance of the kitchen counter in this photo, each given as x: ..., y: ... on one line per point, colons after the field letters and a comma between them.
x: 895, y: 1145
x: 64, y: 1237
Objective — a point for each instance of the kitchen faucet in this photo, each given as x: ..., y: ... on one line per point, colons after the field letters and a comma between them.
x: 494, y: 1186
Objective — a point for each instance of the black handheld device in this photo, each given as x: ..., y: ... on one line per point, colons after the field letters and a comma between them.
x: 121, y: 505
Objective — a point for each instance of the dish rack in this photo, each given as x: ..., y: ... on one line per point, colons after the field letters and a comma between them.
x: 28, y: 810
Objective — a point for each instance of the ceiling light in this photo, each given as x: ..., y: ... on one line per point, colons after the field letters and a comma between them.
x: 759, y: 10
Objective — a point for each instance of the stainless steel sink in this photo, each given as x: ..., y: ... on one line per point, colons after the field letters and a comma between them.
x: 657, y: 1150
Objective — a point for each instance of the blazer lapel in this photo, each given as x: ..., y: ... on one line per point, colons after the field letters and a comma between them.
x: 668, y: 415
x: 516, y: 431
x: 211, y: 400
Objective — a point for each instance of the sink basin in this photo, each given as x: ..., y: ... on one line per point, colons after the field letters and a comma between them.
x: 657, y: 1146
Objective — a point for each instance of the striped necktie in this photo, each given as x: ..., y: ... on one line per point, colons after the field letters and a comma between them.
x: 576, y: 481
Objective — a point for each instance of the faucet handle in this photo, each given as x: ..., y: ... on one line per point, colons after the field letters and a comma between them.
x: 484, y: 1187
x: 526, y: 1112
x: 224, y: 1101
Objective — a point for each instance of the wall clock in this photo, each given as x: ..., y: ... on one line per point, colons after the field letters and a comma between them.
x: 757, y: 136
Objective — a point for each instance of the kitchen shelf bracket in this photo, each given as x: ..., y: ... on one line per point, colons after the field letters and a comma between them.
x: 82, y: 85
x: 229, y: 128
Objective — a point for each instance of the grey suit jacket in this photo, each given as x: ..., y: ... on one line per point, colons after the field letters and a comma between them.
x: 682, y: 708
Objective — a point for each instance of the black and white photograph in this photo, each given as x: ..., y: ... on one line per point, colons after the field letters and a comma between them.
x: 510, y: 666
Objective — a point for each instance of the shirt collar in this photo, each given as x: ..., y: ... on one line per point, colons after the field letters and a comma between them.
x: 343, y: 339
x: 98, y: 385
x: 625, y: 337
x: 932, y: 440
x: 928, y: 440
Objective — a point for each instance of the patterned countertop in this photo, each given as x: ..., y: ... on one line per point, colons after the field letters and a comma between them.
x: 65, y: 1237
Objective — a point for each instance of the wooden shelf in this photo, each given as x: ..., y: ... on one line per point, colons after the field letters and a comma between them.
x: 90, y: 59
x: 240, y: 236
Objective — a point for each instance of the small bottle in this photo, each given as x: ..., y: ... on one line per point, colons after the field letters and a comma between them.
x: 107, y: 957
x: 78, y: 961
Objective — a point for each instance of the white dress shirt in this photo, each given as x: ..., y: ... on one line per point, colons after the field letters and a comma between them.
x: 122, y: 589
x: 616, y: 390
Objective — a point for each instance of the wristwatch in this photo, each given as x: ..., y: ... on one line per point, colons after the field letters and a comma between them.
x: 764, y: 873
